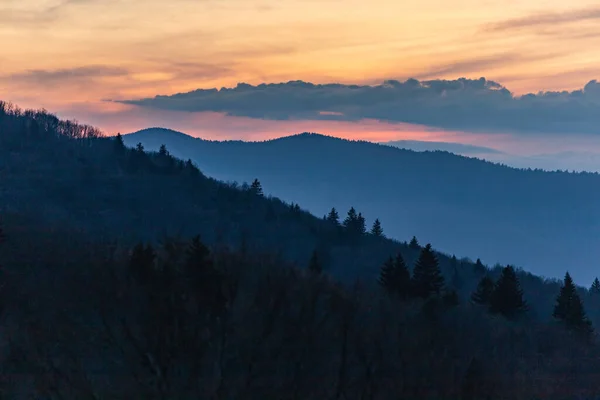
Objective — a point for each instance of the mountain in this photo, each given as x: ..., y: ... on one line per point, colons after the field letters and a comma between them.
x: 456, y: 148
x: 127, y: 273
x: 541, y: 221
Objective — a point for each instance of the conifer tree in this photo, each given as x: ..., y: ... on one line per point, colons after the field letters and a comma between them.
x: 139, y: 147
x: 351, y: 218
x: 427, y: 277
x: 386, y: 275
x: 163, y: 150
x: 395, y: 277
x: 595, y: 288
x: 483, y: 293
x: 314, y: 265
x: 256, y: 188
x: 361, y: 227
x: 507, y: 297
x: 414, y: 243
x: 119, y: 143
x: 569, y: 308
x: 376, y: 230
x: 333, y: 217
x: 479, y: 267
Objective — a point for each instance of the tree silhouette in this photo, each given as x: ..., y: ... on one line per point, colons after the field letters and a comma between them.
x: 395, y: 277
x: 427, y: 277
x: 256, y: 188
x: 595, y: 288
x: 119, y: 143
x: 479, y: 267
x: 483, y: 293
x: 333, y: 217
x: 507, y: 297
x: 569, y: 308
x: 314, y: 265
x: 163, y: 151
x: 140, y: 147
x: 456, y: 280
x: 414, y: 243
x: 361, y: 227
x: 355, y: 222
x: 376, y: 230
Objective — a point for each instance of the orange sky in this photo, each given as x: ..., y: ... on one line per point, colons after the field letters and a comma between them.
x: 67, y: 55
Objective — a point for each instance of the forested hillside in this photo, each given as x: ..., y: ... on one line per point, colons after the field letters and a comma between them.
x: 535, y: 219
x: 131, y: 274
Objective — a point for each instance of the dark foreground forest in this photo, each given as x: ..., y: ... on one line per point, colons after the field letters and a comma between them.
x: 129, y: 274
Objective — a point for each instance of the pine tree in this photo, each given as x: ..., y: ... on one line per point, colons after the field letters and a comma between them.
x: 386, y: 275
x: 595, y: 288
x: 479, y: 267
x: 569, y: 308
x: 414, y: 243
x: 427, y: 277
x: 140, y: 147
x: 119, y: 143
x: 395, y: 277
x: 507, y: 297
x: 376, y: 230
x: 333, y: 217
x: 361, y: 227
x: 256, y: 188
x: 314, y: 264
x: 484, y: 291
x: 351, y: 218
x: 163, y: 151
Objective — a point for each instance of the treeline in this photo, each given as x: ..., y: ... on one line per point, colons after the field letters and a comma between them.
x: 40, y: 124
x: 185, y: 320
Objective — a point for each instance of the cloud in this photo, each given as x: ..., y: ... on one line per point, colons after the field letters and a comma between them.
x: 545, y: 19
x: 462, y: 104
x: 55, y: 76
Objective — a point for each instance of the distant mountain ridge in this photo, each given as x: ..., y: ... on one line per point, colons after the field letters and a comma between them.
x: 457, y: 148
x: 542, y: 221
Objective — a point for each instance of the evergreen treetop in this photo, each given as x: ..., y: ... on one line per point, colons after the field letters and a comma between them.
x: 414, y: 243
x: 333, y: 216
x: 427, y: 277
x: 595, y: 288
x: 119, y: 143
x: 483, y: 293
x: 256, y: 187
x: 376, y: 230
x: 163, y: 150
x: 507, y: 297
x: 569, y: 308
x: 395, y: 277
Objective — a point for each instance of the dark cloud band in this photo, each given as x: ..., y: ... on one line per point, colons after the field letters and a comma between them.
x: 466, y: 104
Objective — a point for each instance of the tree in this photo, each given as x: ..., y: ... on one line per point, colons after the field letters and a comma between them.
x: 483, y: 293
x: 376, y: 230
x: 163, y: 151
x: 314, y: 265
x: 456, y: 280
x: 427, y: 277
x: 140, y: 147
x: 119, y: 143
x: 395, y: 277
x: 333, y: 217
x: 361, y: 227
x: 479, y: 267
x: 141, y: 263
x: 595, y: 288
x: 256, y: 188
x: 351, y: 218
x: 507, y: 297
x: 569, y: 308
x: 414, y: 243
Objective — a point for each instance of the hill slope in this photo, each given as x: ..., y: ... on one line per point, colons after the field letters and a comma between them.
x: 542, y: 221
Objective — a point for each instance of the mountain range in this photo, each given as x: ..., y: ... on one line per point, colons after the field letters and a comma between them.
x: 541, y: 221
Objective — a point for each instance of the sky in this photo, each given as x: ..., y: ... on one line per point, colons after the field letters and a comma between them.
x: 69, y: 56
